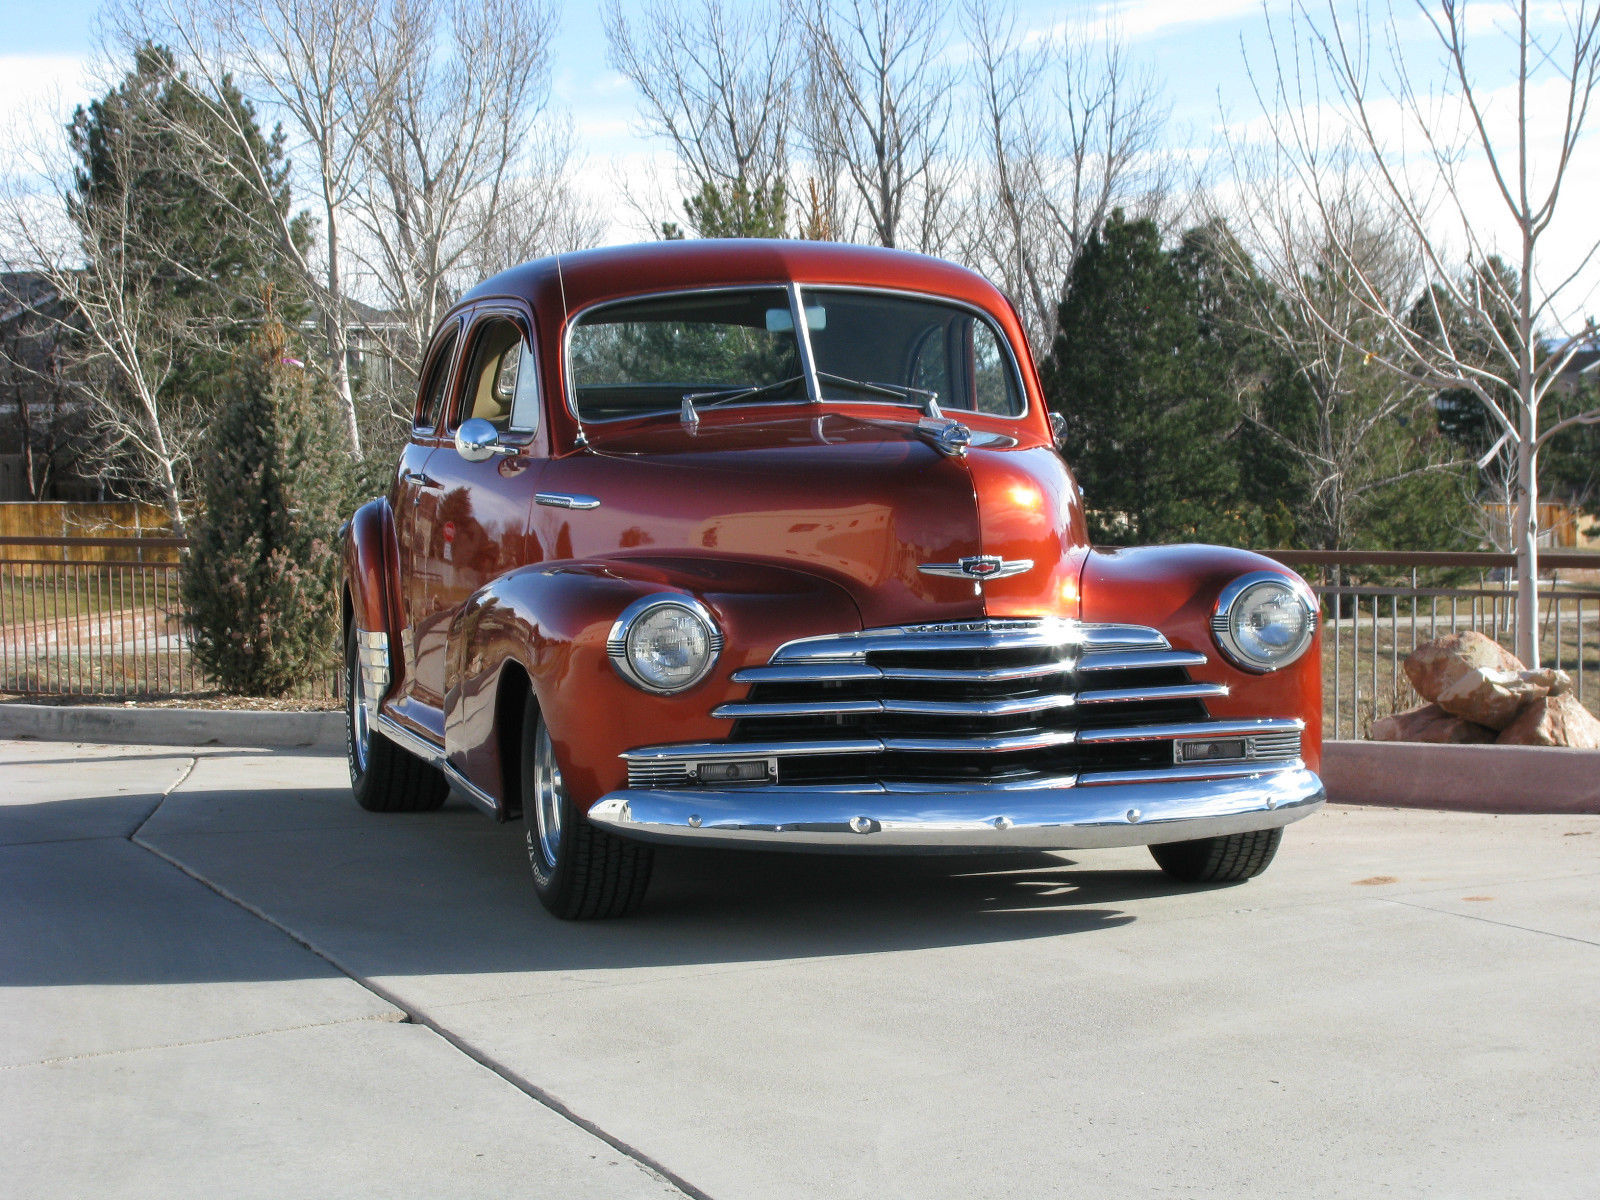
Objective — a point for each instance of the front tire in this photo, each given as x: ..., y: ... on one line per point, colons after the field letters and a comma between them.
x: 383, y: 777
x: 1230, y: 859
x: 579, y: 871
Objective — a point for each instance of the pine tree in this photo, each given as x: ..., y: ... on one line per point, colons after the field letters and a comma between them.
x: 262, y: 572
x: 1143, y: 387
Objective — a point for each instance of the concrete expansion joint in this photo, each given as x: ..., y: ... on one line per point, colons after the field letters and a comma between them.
x: 1445, y: 912
x: 404, y: 1014
x: 379, y: 1018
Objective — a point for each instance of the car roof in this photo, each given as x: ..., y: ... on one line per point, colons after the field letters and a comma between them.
x: 576, y: 280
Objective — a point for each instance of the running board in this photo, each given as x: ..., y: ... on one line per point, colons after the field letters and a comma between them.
x: 433, y: 754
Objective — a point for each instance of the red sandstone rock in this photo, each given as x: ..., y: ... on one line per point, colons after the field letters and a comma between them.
x: 1430, y: 723
x: 1434, y: 666
x: 1492, y: 698
x: 1557, y: 720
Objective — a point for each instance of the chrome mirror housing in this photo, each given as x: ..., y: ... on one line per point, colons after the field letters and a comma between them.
x: 478, y: 440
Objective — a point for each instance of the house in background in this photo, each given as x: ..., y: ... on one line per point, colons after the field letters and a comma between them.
x: 43, y: 417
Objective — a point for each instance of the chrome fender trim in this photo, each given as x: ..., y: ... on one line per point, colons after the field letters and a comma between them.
x: 1059, y: 818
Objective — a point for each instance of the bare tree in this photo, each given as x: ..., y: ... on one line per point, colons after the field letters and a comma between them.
x: 1064, y: 130
x: 329, y: 68
x: 100, y: 296
x: 1367, y: 428
x: 1456, y: 163
x: 452, y: 139
x: 716, y: 82
x: 879, y: 110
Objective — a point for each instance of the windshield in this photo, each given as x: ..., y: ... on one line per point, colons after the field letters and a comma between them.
x: 696, y: 350
x: 645, y: 356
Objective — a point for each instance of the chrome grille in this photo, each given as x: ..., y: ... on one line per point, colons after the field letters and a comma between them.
x: 1043, y: 703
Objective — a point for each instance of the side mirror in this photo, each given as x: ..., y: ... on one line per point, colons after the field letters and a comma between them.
x: 1058, y: 429
x: 478, y: 440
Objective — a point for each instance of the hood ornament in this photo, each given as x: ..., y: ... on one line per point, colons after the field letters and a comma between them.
x: 979, y: 567
x: 950, y: 438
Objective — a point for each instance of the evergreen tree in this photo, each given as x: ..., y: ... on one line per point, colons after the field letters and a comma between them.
x: 262, y: 572
x: 1139, y: 370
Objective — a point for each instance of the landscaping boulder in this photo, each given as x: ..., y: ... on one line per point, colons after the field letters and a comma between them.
x: 1430, y: 723
x: 1494, y: 698
x: 1556, y: 720
x: 1434, y: 666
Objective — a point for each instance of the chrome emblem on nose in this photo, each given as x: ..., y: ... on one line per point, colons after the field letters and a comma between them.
x: 979, y: 567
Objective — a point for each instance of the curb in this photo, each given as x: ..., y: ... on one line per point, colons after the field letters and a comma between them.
x: 1480, y: 779
x: 172, y: 726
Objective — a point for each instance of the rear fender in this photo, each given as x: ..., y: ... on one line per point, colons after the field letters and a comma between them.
x: 553, y: 620
x: 370, y: 560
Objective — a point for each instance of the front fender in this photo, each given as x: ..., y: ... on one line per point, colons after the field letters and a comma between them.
x: 552, y: 622
x: 1174, y: 589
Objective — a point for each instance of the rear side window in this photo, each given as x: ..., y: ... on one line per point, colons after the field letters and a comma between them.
x: 437, y: 384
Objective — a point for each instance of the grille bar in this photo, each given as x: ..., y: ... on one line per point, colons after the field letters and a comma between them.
x: 1191, y: 729
x: 1177, y: 691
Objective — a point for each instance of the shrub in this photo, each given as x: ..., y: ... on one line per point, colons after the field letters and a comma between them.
x: 274, y: 483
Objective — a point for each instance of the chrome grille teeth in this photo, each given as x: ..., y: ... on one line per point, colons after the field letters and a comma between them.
x: 996, y: 703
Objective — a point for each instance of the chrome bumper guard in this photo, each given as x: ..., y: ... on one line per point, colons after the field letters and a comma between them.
x: 867, y: 820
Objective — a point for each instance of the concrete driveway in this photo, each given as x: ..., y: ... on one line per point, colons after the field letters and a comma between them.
x: 218, y: 977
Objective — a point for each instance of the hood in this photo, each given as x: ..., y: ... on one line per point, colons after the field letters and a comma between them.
x: 861, y: 501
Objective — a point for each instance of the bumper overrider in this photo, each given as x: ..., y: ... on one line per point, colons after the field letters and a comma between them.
x: 989, y: 735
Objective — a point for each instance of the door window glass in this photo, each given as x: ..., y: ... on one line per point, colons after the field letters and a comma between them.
x: 491, y: 383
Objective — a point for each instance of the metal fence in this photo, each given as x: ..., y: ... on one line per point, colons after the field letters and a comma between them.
x: 71, y: 627
x: 102, y: 617
x: 1378, y: 606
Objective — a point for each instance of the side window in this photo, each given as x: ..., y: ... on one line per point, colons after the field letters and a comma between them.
x: 492, y: 373
x: 437, y: 384
x: 525, y: 404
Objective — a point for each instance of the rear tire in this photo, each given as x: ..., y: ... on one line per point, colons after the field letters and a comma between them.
x: 383, y: 777
x: 580, y: 871
x: 1230, y: 859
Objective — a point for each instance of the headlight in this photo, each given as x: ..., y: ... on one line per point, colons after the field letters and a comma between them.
x: 1264, y: 621
x: 664, y: 643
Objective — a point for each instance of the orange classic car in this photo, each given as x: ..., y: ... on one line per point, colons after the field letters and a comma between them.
x: 769, y: 544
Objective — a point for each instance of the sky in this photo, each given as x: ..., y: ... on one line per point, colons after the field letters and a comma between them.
x: 1201, y: 51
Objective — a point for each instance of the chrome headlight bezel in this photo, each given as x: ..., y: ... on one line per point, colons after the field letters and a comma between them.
x: 619, y: 647
x: 1238, y: 596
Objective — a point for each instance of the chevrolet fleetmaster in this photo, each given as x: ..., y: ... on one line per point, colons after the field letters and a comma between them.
x: 769, y: 544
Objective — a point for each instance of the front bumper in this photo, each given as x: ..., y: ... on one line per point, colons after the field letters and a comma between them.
x: 1061, y: 818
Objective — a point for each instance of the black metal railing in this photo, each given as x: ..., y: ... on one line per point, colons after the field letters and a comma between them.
x: 101, y: 617
x: 1379, y: 605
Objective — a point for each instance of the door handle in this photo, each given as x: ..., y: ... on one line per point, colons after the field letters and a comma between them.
x: 420, y: 478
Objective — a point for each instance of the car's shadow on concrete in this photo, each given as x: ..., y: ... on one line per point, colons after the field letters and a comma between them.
x: 448, y: 893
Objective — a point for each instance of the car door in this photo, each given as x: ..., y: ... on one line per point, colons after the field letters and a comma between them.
x: 417, y: 494
x: 482, y: 524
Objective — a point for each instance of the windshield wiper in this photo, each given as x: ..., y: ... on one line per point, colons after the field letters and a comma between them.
x: 727, y: 395
x: 924, y: 399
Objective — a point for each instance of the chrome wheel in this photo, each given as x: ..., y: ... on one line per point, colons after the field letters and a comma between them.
x: 360, y: 720
x: 549, y: 796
